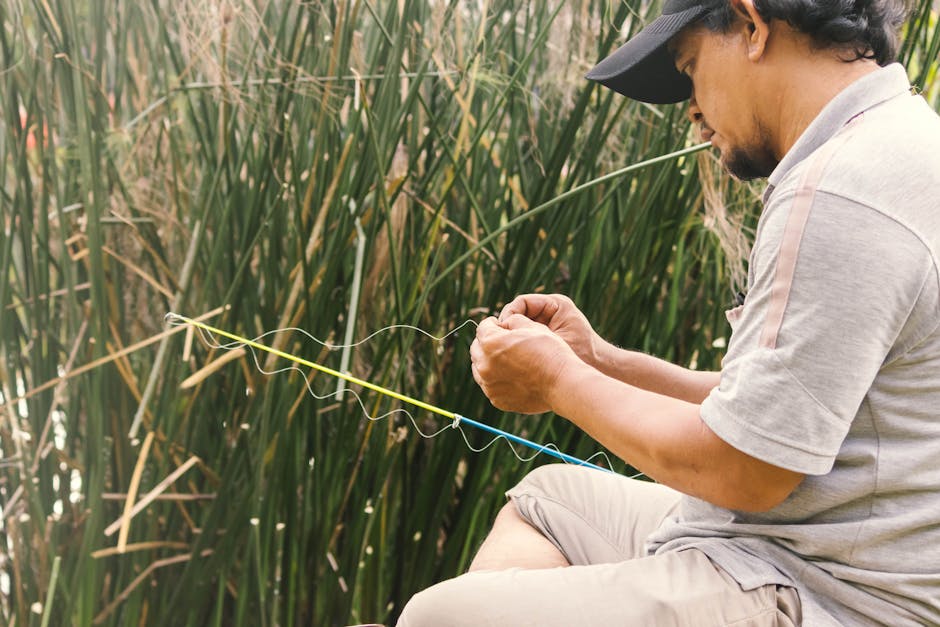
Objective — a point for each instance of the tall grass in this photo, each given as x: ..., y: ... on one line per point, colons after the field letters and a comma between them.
x: 232, y: 159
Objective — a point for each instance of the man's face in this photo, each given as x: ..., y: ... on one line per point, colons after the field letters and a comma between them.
x: 723, y: 100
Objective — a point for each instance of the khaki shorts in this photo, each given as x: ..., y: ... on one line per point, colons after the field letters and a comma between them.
x: 599, y: 522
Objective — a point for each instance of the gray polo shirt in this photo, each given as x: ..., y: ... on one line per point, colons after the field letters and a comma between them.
x: 833, y: 369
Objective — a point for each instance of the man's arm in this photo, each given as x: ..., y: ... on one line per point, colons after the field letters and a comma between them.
x: 655, y: 375
x: 523, y: 366
x: 666, y: 438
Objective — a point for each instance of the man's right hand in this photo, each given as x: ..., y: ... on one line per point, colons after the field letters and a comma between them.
x: 562, y: 317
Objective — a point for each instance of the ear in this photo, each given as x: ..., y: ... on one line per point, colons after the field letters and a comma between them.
x: 756, y: 30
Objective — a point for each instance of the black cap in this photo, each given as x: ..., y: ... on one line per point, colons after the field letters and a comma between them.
x: 642, y: 68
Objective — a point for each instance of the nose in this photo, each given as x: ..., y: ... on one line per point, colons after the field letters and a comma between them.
x: 695, y: 114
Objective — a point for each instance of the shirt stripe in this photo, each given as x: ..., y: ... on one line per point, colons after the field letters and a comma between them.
x: 793, y: 235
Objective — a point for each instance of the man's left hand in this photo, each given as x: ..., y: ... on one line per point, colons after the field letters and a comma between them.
x: 517, y: 362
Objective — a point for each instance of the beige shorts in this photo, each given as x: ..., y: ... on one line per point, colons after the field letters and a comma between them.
x: 599, y: 522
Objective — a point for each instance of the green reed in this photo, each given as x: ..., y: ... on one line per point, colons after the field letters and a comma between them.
x: 233, y: 156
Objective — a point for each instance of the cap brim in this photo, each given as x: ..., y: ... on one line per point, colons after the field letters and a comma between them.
x: 643, y: 68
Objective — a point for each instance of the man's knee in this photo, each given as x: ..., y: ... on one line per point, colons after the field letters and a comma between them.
x: 422, y: 609
x: 540, y: 480
x: 451, y: 603
x: 558, y: 482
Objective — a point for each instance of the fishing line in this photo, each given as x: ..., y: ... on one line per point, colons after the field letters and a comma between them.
x: 209, y: 333
x: 328, y: 345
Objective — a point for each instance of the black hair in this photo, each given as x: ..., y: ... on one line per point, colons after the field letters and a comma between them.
x: 867, y: 29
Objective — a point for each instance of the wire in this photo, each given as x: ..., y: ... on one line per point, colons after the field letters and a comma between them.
x: 209, y: 333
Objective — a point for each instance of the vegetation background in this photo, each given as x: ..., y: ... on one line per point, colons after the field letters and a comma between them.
x: 336, y: 166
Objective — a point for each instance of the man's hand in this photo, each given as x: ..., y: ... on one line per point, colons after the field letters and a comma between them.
x: 524, y: 364
x: 517, y: 362
x: 562, y: 317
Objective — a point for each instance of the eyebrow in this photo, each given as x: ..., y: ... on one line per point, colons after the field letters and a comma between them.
x: 671, y: 48
x: 676, y: 56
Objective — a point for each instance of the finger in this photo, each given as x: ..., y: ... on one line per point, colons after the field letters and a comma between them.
x: 517, y: 306
x: 487, y: 327
x: 537, y: 307
x: 476, y: 352
x: 518, y: 321
x: 528, y: 305
x: 476, y: 374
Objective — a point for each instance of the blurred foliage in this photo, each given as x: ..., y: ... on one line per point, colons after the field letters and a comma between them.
x: 218, y: 158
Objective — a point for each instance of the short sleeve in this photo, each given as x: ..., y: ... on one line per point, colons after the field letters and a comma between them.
x: 825, y: 305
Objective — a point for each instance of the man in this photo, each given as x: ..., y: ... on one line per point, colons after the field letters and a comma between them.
x: 801, y: 484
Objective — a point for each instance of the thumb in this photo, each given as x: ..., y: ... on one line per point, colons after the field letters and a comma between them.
x: 519, y: 321
x: 538, y: 307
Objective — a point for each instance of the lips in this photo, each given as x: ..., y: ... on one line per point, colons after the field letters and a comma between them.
x: 707, y: 134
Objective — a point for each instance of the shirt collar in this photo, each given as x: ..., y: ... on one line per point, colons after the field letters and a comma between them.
x: 865, y: 93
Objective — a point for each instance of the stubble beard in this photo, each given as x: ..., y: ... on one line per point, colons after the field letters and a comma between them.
x: 756, y: 161
x: 747, y: 165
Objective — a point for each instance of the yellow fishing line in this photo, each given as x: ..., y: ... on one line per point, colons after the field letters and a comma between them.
x: 315, y: 366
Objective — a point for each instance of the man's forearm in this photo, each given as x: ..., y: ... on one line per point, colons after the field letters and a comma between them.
x: 655, y: 375
x: 665, y: 438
